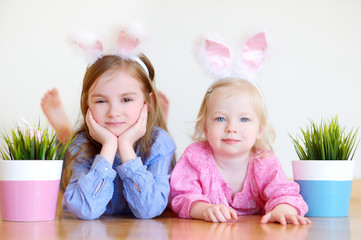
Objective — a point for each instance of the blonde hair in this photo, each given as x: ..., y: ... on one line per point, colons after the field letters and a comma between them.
x: 241, y: 86
x: 89, y: 148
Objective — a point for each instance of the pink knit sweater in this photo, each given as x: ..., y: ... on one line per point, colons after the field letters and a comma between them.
x: 196, y: 178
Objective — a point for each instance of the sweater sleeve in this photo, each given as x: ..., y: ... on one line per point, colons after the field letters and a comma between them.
x: 185, y: 183
x: 274, y: 186
x: 152, y: 178
x: 90, y: 188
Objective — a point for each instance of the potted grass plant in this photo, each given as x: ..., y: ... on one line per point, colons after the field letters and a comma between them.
x: 30, y: 172
x: 324, y: 170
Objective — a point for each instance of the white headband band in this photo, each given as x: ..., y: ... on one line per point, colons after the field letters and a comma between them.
x: 141, y: 63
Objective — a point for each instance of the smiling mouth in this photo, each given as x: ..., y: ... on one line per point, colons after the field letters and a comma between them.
x: 114, y: 124
x: 230, y: 141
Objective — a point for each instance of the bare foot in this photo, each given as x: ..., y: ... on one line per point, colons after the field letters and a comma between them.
x: 164, y: 103
x: 55, y: 113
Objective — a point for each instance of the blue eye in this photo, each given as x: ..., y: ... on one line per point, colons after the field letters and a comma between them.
x: 100, y: 101
x: 220, y: 119
x: 244, y: 120
x: 126, y: 100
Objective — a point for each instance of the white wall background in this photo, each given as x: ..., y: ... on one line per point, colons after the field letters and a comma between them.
x: 312, y: 69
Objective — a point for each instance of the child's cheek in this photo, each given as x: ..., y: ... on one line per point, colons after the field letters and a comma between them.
x: 96, y: 114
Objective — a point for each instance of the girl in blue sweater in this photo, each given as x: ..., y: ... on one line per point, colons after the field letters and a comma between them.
x: 120, y: 161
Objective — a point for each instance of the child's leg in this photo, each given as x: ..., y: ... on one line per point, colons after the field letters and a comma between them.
x: 164, y: 103
x: 55, y: 113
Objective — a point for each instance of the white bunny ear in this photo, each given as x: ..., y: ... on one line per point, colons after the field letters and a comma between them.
x: 129, y: 40
x: 252, y: 55
x: 126, y: 44
x: 89, y: 46
x: 216, y: 58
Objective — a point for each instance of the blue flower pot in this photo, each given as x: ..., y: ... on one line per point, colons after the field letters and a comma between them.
x: 325, y: 185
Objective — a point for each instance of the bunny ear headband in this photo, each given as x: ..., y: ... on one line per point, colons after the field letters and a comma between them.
x: 216, y: 57
x: 126, y: 46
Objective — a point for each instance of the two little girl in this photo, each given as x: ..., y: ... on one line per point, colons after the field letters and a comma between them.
x: 120, y: 161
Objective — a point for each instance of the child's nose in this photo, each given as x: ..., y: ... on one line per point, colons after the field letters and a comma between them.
x: 114, y: 110
x: 231, y: 128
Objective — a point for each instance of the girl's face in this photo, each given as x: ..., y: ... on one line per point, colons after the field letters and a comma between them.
x: 232, y: 126
x: 116, y: 100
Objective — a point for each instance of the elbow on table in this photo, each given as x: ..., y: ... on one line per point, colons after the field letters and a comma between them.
x: 85, y: 216
x: 83, y: 213
x: 149, y: 211
x: 147, y: 214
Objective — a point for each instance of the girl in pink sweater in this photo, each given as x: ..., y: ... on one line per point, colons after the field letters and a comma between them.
x: 231, y: 170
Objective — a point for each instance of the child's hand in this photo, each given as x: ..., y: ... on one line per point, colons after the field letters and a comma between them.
x: 103, y: 136
x: 219, y: 213
x: 131, y: 135
x: 284, y: 213
x: 98, y: 132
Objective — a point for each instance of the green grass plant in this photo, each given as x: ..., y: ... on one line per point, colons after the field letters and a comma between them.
x: 326, y: 141
x: 32, y: 144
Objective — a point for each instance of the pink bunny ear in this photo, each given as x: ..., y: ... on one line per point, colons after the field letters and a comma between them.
x: 216, y: 57
x: 129, y: 39
x: 219, y: 55
x: 252, y: 55
x: 126, y: 44
x: 89, y: 46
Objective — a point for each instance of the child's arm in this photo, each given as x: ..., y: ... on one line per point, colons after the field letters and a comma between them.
x: 91, y: 185
x: 191, y: 183
x: 276, y: 191
x: 146, y: 185
x: 127, y: 139
x: 212, y: 213
x: 284, y: 213
x: 82, y: 196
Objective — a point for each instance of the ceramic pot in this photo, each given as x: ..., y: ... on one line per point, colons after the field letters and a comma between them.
x: 325, y: 185
x: 29, y: 189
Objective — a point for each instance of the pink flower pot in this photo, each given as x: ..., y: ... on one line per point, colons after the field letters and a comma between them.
x: 29, y: 189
